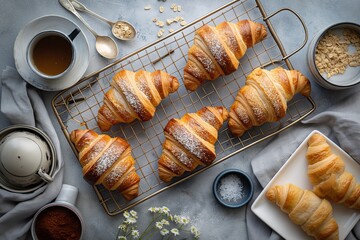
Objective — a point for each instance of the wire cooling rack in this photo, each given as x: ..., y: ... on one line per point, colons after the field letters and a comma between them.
x: 77, y: 106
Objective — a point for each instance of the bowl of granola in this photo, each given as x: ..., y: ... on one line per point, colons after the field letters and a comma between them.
x: 334, y: 56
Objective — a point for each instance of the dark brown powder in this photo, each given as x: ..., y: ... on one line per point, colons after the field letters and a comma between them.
x: 57, y: 223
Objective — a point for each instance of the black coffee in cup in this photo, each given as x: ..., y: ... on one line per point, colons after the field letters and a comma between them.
x: 52, y: 54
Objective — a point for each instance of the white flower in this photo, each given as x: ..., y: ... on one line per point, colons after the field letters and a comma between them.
x: 164, y: 222
x: 171, y: 217
x: 122, y: 238
x: 164, y: 231
x: 165, y: 210
x: 159, y: 225
x: 123, y: 227
x: 126, y: 214
x: 152, y: 209
x: 175, y: 231
x: 184, y: 220
x: 177, y: 219
x: 135, y: 233
x: 131, y: 220
x: 195, y: 231
x: 133, y: 213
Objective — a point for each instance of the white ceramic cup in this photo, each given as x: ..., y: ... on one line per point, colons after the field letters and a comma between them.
x: 44, y: 53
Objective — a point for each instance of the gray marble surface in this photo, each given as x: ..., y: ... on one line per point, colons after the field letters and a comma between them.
x: 193, y: 198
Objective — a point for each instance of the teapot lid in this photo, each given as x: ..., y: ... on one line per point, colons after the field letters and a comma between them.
x: 20, y: 156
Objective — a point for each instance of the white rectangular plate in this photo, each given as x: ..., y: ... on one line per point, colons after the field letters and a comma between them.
x: 295, y: 171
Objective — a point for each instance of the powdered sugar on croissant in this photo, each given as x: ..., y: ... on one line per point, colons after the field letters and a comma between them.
x: 107, y: 161
x: 190, y: 141
x: 217, y: 50
x: 264, y: 97
x: 134, y: 95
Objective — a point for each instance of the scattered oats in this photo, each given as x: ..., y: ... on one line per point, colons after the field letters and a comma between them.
x: 169, y: 21
x: 175, y: 9
x: 183, y: 23
x: 161, y: 9
x: 154, y: 20
x: 173, y: 5
x: 160, y: 23
x: 147, y: 7
x: 179, y: 8
x: 160, y: 33
x: 177, y: 19
x: 171, y: 30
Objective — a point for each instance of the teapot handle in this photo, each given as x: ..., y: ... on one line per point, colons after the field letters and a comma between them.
x: 44, y: 176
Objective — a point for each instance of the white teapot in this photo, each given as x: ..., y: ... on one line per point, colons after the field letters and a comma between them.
x: 27, y: 158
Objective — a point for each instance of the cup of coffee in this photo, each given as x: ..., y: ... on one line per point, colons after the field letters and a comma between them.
x: 59, y: 220
x: 51, y: 53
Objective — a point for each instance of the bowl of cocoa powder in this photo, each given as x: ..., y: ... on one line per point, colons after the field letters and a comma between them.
x: 334, y: 56
x: 59, y: 220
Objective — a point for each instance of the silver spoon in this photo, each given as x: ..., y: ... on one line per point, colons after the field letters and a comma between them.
x: 105, y: 46
x: 120, y: 29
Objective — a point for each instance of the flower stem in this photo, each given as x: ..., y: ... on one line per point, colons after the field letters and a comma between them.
x: 147, y: 229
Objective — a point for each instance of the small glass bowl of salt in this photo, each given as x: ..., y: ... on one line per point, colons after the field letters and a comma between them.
x: 233, y: 188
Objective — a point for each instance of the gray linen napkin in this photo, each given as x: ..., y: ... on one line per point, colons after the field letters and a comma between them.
x: 340, y: 122
x: 22, y: 104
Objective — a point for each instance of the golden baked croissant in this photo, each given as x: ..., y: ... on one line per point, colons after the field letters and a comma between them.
x: 264, y: 97
x: 304, y: 208
x: 107, y: 161
x: 190, y: 141
x: 134, y: 95
x: 217, y: 50
x: 327, y: 174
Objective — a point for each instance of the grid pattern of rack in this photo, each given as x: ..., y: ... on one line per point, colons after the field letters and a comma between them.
x: 77, y: 107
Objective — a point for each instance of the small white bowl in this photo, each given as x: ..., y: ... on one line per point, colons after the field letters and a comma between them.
x: 350, y: 78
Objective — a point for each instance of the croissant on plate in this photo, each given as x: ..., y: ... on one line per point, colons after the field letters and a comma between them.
x: 327, y: 174
x: 189, y: 141
x: 134, y: 95
x: 107, y: 161
x: 264, y: 97
x: 217, y: 50
x: 304, y: 208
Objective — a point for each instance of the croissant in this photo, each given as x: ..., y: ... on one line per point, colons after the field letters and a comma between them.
x: 327, y: 174
x: 264, y: 98
x: 107, y: 161
x: 304, y: 208
x: 217, y: 50
x: 189, y: 141
x: 134, y: 95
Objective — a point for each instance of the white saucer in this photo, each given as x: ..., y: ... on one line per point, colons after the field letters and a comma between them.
x: 51, y: 22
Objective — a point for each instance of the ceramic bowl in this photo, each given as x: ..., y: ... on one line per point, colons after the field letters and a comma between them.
x: 64, y: 206
x: 233, y: 188
x: 350, y: 77
x: 27, y: 158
